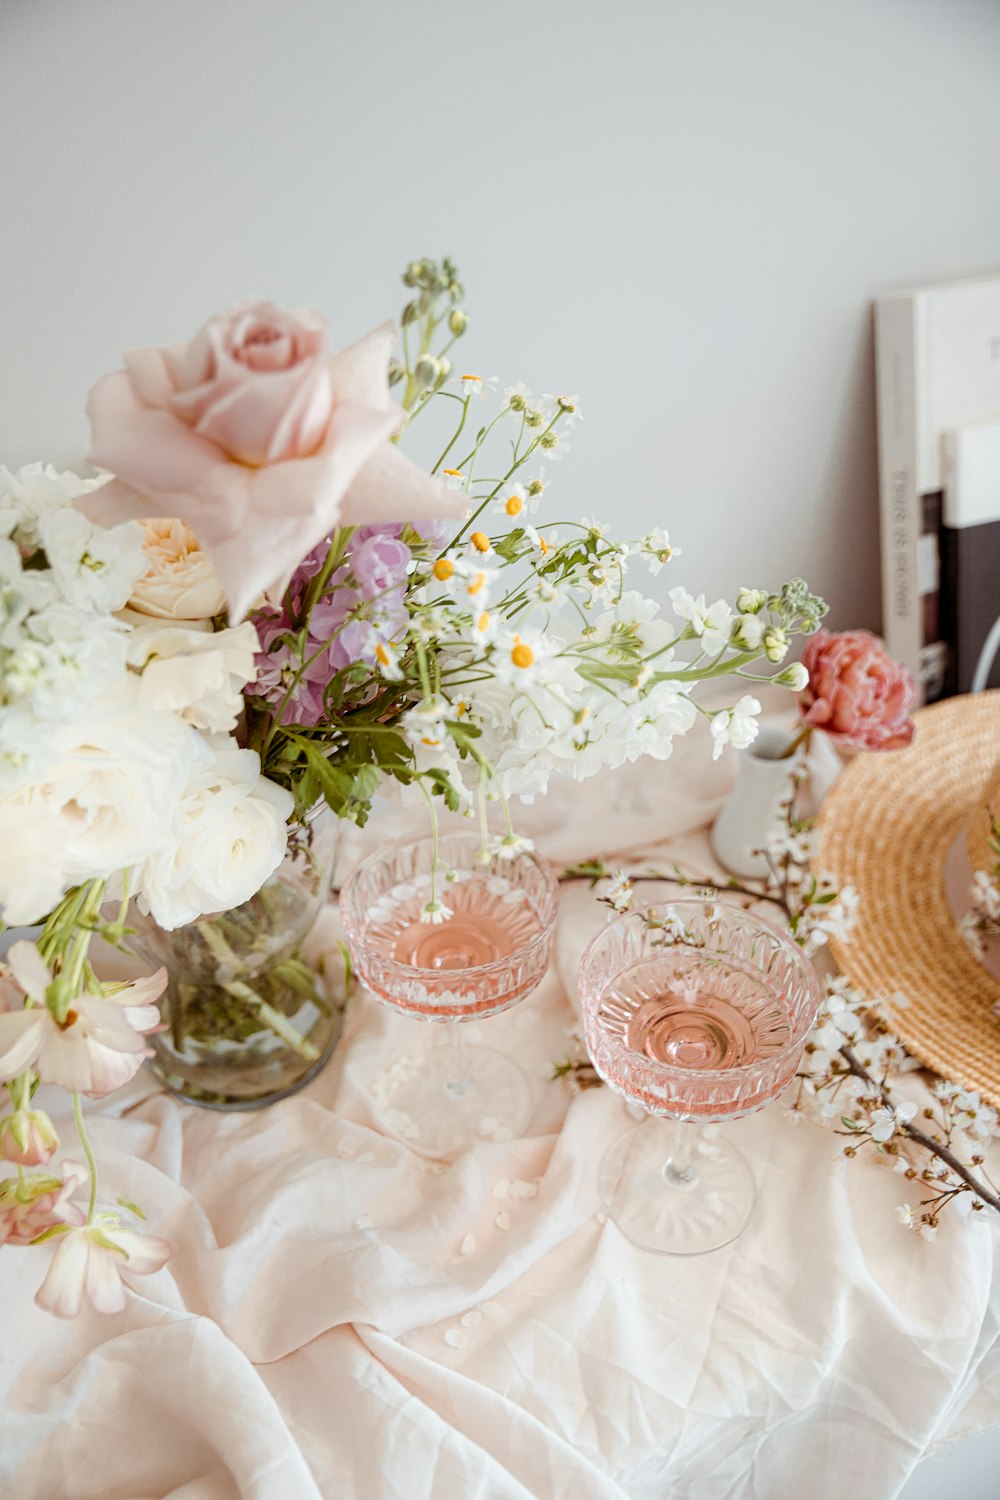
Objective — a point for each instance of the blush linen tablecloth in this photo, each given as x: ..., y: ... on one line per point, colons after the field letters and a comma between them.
x: 342, y: 1319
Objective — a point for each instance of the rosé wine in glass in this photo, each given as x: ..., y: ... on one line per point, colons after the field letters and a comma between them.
x: 698, y: 1012
x: 489, y: 952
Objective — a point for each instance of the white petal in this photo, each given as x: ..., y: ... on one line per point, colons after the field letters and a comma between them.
x: 145, y: 1252
x: 29, y: 969
x: 104, y: 1282
x: 22, y: 1033
x: 61, y: 1292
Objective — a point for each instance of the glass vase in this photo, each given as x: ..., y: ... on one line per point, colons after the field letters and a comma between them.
x: 246, y: 1020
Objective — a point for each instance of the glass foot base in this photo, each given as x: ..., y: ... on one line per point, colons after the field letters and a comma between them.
x: 451, y: 1097
x: 658, y: 1212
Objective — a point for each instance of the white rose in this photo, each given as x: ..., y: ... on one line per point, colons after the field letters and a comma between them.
x: 104, y: 790
x: 198, y: 673
x: 232, y: 838
x: 180, y: 582
x: 95, y: 567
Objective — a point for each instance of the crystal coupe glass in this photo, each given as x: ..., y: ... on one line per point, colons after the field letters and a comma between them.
x: 489, y: 952
x: 695, y: 1012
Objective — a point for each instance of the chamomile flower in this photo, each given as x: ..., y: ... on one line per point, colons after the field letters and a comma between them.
x: 545, y: 544
x: 516, y: 504
x: 517, y: 657
x: 568, y: 405
x: 517, y: 397
x: 434, y: 912
x: 387, y: 661
x: 453, y: 478
x: 481, y: 542
x: 554, y: 445
x: 484, y: 627
x: 475, y: 385
x: 510, y: 846
x: 424, y: 724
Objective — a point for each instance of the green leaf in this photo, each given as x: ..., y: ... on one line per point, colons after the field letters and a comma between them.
x: 850, y: 1124
x: 133, y: 1208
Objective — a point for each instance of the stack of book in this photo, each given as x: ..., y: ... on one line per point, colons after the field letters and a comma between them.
x: 938, y: 384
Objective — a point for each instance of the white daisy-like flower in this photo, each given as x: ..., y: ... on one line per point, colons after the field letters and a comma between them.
x: 511, y: 846
x: 553, y: 444
x: 518, y: 656
x: 475, y: 385
x: 516, y: 504
x: 424, y: 724
x: 434, y: 912
x: 517, y: 397
x: 484, y: 627
x: 454, y: 479
x: 545, y: 544
x: 387, y: 661
x: 568, y: 405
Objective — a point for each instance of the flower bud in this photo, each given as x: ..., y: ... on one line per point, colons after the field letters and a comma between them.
x: 748, y: 632
x: 446, y: 369
x: 396, y: 371
x: 414, y: 273
x: 458, y: 321
x: 410, y: 314
x: 775, y: 643
x: 28, y: 1137
x: 427, y: 371
x: 794, y: 676
x: 456, y: 291
x: 750, y: 601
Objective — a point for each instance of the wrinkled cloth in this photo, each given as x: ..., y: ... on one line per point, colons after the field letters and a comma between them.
x: 341, y: 1318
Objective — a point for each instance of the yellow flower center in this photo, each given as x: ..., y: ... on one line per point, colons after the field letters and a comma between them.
x: 478, y: 379
x: 480, y: 541
x: 475, y: 587
x: 443, y: 569
x: 514, y: 505
x: 484, y: 621
x: 521, y: 653
x: 382, y: 655
x: 453, y: 473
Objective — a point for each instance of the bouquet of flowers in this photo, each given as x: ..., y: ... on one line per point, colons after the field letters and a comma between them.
x: 262, y: 605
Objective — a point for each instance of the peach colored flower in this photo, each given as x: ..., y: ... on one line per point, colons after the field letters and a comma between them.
x: 30, y: 1207
x: 28, y: 1137
x: 857, y: 693
x: 180, y: 582
x: 259, y: 440
x: 89, y: 1262
x: 96, y: 1048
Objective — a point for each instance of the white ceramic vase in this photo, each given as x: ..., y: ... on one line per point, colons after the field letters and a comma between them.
x: 752, y: 810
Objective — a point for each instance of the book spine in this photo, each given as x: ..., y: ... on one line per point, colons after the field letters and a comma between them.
x: 896, y: 356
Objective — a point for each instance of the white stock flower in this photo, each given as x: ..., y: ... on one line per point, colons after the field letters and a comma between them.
x: 199, y: 674
x: 36, y: 489
x: 712, y: 623
x: 80, y: 655
x: 735, y: 726
x: 655, y: 549
x: 94, y: 566
x: 231, y: 838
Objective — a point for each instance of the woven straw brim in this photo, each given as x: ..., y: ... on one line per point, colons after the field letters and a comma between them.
x: 984, y: 815
x: 887, y: 828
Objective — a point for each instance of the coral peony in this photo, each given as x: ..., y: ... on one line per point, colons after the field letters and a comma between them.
x: 857, y: 693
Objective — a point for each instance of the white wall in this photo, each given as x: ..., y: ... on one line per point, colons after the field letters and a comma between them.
x: 679, y: 208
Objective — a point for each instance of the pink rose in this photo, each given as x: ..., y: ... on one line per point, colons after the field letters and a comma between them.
x: 260, y: 440
x: 857, y: 693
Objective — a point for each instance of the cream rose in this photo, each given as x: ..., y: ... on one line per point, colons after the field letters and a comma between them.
x: 180, y: 582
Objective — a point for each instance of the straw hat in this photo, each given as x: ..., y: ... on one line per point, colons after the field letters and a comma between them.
x: 890, y: 827
x: 983, y: 818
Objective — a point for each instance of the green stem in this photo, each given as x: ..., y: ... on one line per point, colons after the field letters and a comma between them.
x: 273, y: 1019
x: 458, y: 433
x: 88, y: 1152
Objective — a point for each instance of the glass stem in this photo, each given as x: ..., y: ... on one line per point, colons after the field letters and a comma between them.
x: 679, y: 1167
